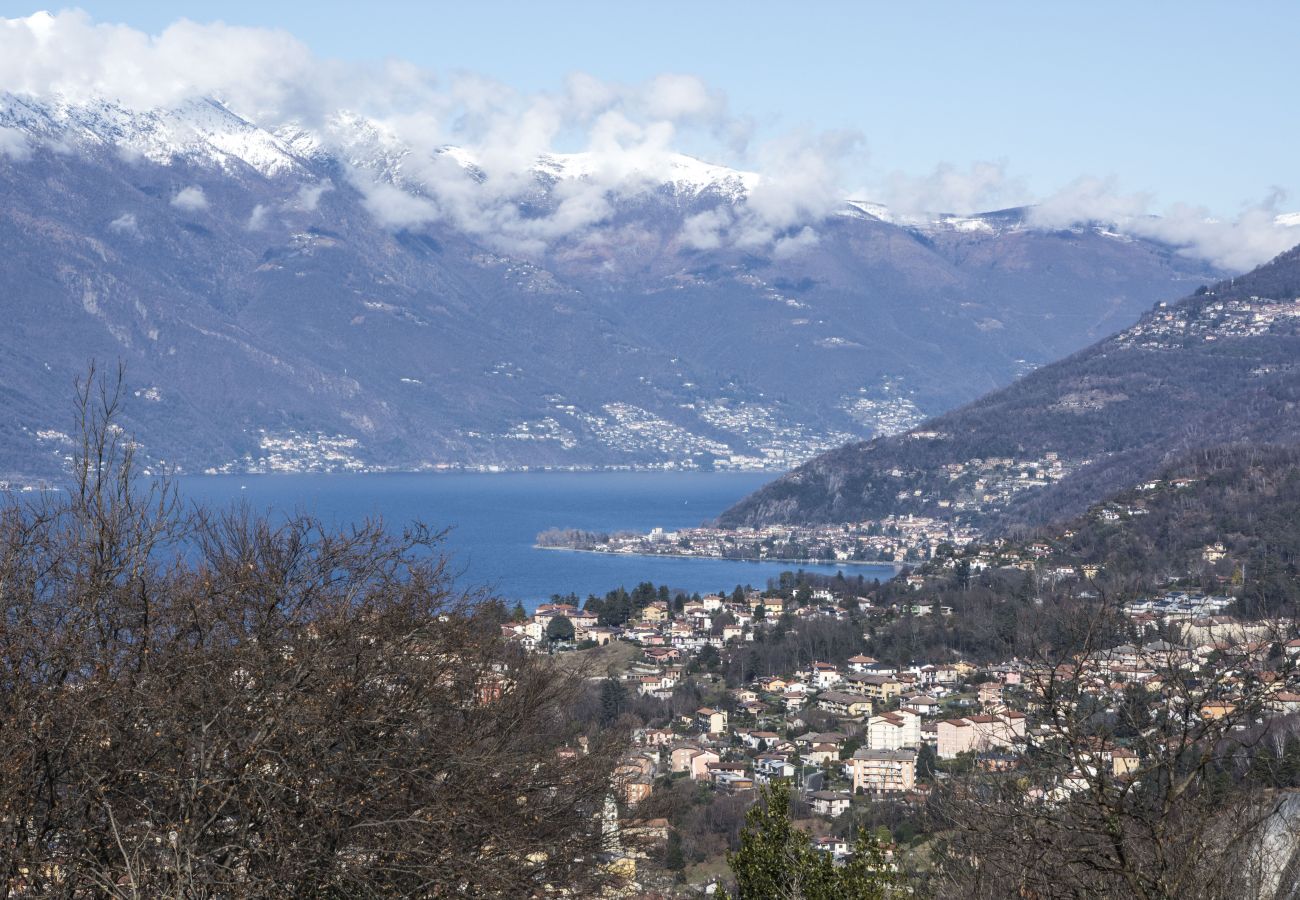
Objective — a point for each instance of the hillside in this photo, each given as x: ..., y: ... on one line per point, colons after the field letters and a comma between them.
x: 1230, y: 514
x: 1219, y: 367
x: 1223, y: 522
x: 284, y: 300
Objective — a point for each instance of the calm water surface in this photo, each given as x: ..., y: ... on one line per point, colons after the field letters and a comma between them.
x: 495, y: 518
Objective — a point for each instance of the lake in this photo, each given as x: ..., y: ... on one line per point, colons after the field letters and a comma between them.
x: 495, y: 517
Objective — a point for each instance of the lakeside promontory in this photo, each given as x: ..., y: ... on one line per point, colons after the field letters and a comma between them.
x: 894, y: 539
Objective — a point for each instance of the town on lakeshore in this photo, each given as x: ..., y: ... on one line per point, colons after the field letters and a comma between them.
x: 894, y: 539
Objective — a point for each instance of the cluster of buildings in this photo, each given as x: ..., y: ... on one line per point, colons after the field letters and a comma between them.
x: 983, y: 484
x: 886, y: 409
x: 885, y: 721
x: 668, y: 637
x: 974, y: 487
x: 298, y: 452
x: 755, y: 437
x: 760, y: 442
x: 1169, y: 326
x: 892, y: 539
x: 1178, y: 606
x: 767, y: 441
x: 859, y: 730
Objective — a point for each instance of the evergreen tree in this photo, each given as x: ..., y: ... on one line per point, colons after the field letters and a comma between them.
x: 1289, y: 774
x: 777, y: 860
x: 962, y: 572
x: 927, y: 762
x: 613, y: 696
x: 674, y: 858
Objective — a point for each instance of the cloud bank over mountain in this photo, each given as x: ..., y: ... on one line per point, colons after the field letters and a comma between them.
x: 1258, y: 232
x: 608, y: 141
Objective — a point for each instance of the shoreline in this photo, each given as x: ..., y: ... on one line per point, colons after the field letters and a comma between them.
x: 469, y: 470
x: 896, y: 566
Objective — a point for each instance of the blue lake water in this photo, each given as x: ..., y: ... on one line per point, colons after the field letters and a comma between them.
x: 495, y: 518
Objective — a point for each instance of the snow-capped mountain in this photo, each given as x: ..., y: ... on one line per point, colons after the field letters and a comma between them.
x: 205, y: 132
x: 682, y: 174
x: 306, y: 296
x: 198, y: 131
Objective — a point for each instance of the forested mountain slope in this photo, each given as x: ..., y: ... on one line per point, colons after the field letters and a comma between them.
x: 1220, y: 367
x: 1230, y: 514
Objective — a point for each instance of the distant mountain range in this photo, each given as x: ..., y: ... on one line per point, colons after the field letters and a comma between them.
x: 1220, y: 367
x: 300, y: 298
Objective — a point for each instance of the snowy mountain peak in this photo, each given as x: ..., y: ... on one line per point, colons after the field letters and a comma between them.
x: 685, y: 174
x: 865, y: 209
x: 976, y: 223
x: 201, y: 131
x: 206, y: 132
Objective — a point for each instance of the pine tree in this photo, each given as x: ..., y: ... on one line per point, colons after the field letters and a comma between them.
x: 613, y: 695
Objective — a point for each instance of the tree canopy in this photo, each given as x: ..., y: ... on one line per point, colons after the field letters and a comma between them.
x: 200, y: 703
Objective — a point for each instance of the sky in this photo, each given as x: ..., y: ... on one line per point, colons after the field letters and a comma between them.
x: 1181, y: 109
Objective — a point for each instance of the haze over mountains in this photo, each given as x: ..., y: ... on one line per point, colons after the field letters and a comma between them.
x: 316, y: 299
x: 1220, y: 367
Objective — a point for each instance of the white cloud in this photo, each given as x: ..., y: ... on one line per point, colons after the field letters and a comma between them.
x: 405, y: 114
x: 190, y: 199
x: 308, y: 196
x: 1090, y: 200
x: 704, y: 231
x: 948, y: 189
x: 124, y: 224
x: 68, y: 54
x: 394, y: 117
x: 795, y: 244
x: 674, y: 96
x: 396, y: 208
x: 1255, y: 235
x: 14, y: 145
x: 802, y: 182
x: 257, y: 218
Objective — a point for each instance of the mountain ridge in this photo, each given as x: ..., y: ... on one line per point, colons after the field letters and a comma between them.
x: 272, y: 320
x: 1218, y: 367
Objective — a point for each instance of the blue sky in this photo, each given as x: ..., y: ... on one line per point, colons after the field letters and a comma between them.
x: 1189, y: 102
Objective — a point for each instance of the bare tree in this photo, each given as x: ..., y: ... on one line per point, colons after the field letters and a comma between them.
x: 1134, y: 780
x: 202, y: 704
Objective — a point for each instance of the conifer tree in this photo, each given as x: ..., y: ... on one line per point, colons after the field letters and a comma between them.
x: 776, y: 860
